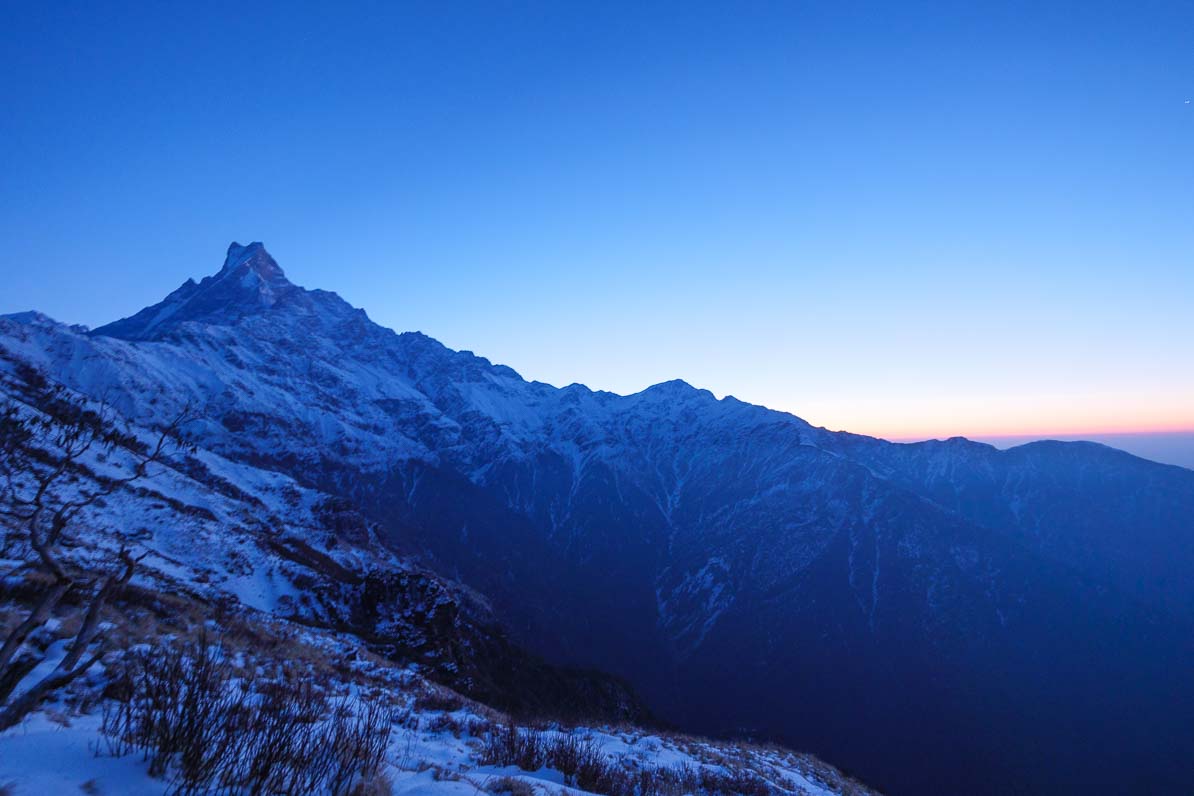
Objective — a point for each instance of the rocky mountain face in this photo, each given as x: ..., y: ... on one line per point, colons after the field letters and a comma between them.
x: 1002, y: 613
x: 219, y: 534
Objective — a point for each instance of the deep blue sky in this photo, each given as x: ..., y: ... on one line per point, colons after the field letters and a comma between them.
x: 904, y: 219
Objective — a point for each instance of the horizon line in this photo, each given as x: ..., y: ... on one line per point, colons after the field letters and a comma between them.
x: 1033, y: 435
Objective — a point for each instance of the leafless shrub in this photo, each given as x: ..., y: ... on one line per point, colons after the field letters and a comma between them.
x: 477, y: 727
x: 509, y: 785
x: 687, y: 778
x: 208, y: 727
x: 446, y: 722
x: 377, y: 784
x: 359, y: 740
x: 586, y: 767
x: 42, y: 454
x: 509, y: 745
x: 438, y: 699
x: 570, y: 755
x: 441, y: 774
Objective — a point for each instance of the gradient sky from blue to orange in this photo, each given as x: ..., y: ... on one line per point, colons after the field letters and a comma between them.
x: 906, y: 219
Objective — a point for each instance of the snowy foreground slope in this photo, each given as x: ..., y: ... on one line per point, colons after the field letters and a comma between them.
x: 424, y: 758
x: 998, y: 612
x: 281, y: 575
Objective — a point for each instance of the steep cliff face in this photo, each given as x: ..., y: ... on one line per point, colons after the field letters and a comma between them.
x: 746, y: 570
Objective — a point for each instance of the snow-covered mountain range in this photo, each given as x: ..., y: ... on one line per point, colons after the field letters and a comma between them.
x: 274, y: 577
x: 1002, y: 612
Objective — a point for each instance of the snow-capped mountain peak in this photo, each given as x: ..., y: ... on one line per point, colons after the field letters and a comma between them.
x: 253, y: 262
x: 249, y: 282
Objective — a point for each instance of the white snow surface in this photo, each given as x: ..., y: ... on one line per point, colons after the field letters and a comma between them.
x: 55, y: 754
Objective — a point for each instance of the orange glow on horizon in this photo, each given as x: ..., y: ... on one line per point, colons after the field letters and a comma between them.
x: 1043, y: 433
x: 1004, y: 416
